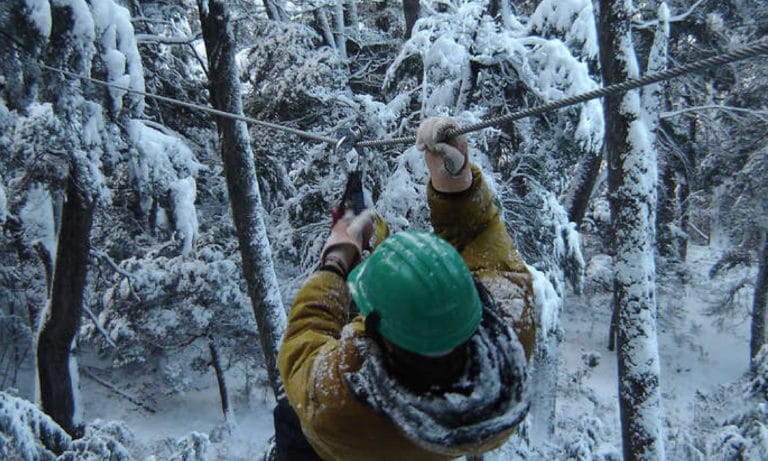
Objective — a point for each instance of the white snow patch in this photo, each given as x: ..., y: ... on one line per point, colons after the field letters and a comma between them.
x: 3, y: 203
x: 74, y: 376
x: 161, y: 160
x: 183, y: 194
x: 119, y: 52
x: 82, y: 20
x: 573, y: 18
x: 37, y: 218
x: 39, y: 13
x: 405, y: 187
x: 547, y: 300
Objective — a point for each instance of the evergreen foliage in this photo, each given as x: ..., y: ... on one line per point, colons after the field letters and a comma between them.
x: 164, y: 274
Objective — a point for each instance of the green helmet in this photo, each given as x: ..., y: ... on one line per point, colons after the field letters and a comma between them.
x: 422, y: 291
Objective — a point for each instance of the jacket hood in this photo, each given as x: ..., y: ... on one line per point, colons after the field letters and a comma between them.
x: 487, y: 401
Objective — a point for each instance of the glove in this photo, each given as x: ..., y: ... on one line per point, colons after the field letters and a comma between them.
x: 350, y: 235
x: 446, y: 158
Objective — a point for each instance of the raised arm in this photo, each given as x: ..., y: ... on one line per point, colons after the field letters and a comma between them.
x: 320, y: 312
x: 464, y: 212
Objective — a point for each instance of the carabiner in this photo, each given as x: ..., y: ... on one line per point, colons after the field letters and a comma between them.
x: 346, y: 146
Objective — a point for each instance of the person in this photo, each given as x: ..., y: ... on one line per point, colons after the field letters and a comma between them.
x: 433, y: 366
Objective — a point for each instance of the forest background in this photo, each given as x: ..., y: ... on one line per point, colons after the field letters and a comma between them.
x: 150, y: 251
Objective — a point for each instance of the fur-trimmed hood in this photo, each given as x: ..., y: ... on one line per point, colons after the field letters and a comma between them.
x: 486, y: 401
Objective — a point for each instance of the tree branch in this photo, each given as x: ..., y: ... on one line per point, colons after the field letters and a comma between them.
x: 105, y: 257
x: 761, y: 114
x: 89, y: 374
x: 99, y: 328
x: 149, y: 38
x: 650, y: 24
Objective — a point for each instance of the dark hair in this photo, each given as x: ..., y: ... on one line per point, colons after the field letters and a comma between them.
x: 419, y: 373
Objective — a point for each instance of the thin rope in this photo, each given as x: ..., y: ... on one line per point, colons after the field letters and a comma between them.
x: 749, y: 51
x: 220, y: 113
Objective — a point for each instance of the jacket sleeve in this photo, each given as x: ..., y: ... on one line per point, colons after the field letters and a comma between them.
x: 471, y: 222
x: 317, y: 318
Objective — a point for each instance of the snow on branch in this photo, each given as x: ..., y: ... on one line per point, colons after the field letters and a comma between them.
x: 27, y: 433
x: 89, y: 374
x: 129, y: 277
x: 652, y: 23
x: 101, y: 329
x: 450, y: 45
x: 760, y: 114
x: 119, y: 52
x: 149, y: 38
x: 573, y: 18
x: 39, y: 14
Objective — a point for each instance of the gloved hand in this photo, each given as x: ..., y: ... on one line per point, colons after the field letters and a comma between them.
x: 349, y: 237
x: 446, y: 158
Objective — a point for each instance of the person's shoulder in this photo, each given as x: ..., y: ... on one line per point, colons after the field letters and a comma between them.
x: 509, y: 290
x: 351, y: 346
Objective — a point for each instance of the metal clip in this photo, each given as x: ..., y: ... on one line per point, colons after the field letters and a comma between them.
x: 349, y: 137
x: 346, y: 146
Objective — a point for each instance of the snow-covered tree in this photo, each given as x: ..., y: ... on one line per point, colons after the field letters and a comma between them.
x: 26, y: 433
x: 411, y: 11
x: 245, y: 199
x: 83, y: 39
x: 165, y: 309
x: 720, y: 138
x: 632, y: 185
x: 57, y: 153
x: 29, y: 229
x: 760, y: 302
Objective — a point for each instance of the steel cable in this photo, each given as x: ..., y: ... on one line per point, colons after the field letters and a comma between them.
x: 220, y: 113
x: 752, y: 50
x: 748, y: 51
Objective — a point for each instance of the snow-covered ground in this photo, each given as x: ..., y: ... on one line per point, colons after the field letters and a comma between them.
x: 176, y: 416
x: 699, y: 358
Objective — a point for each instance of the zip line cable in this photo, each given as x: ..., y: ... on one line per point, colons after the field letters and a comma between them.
x: 210, y: 110
x: 749, y: 51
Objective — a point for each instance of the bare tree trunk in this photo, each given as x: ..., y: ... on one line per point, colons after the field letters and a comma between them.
x: 324, y: 27
x: 500, y: 11
x: 614, y: 327
x: 275, y: 10
x: 354, y: 19
x: 757, y: 339
x: 58, y: 331
x: 577, y: 201
x: 411, y: 11
x: 667, y: 208
x: 632, y: 179
x: 684, y: 192
x: 340, y: 29
x: 226, y: 406
x: 672, y: 221
x: 45, y: 257
x: 686, y: 186
x: 243, y: 186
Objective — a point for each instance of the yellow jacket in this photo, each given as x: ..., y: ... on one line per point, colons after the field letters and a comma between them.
x: 321, y: 346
